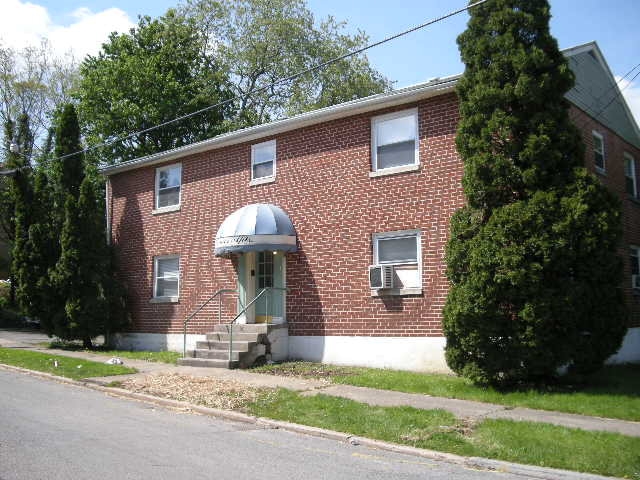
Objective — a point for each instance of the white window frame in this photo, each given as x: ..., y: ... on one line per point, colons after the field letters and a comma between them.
x: 598, y: 135
x: 637, y: 255
x: 375, y: 121
x: 155, y: 278
x: 634, y: 174
x: 393, y: 235
x: 272, y: 177
x: 167, y: 208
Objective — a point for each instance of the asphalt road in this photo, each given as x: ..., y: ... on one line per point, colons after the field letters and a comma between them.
x: 50, y: 430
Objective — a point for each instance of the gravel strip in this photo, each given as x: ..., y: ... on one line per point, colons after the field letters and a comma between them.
x: 207, y: 391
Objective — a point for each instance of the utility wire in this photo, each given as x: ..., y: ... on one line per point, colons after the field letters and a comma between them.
x: 618, y: 93
x: 277, y: 82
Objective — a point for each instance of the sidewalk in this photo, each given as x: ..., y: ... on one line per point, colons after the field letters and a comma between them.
x: 461, y: 408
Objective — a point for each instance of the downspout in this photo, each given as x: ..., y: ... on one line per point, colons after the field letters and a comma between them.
x: 108, y: 201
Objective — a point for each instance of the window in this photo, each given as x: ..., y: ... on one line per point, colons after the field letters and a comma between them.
x: 598, y: 151
x: 168, y: 185
x: 401, y: 249
x: 631, y: 180
x: 166, y: 277
x: 265, y: 269
x: 263, y: 162
x: 394, y: 142
x: 635, y: 267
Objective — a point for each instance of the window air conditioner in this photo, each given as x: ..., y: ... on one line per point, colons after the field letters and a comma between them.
x: 381, y: 277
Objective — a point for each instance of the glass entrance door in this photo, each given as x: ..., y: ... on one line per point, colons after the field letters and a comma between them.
x: 269, y: 273
x: 257, y: 271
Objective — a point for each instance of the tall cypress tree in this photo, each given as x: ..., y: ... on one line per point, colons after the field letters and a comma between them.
x: 81, y: 269
x: 21, y: 193
x: 7, y: 203
x: 38, y: 297
x: 88, y: 300
x: 535, y: 277
x: 68, y: 168
x: 66, y: 172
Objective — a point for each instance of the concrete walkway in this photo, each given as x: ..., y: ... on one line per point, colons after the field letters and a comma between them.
x: 467, y: 409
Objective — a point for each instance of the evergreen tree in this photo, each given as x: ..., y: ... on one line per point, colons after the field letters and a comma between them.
x: 86, y: 300
x: 68, y: 168
x: 7, y: 204
x: 37, y: 295
x: 81, y: 268
x: 535, y: 277
x: 66, y: 172
x: 21, y: 199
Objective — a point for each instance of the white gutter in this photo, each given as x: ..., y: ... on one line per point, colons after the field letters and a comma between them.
x: 354, y: 107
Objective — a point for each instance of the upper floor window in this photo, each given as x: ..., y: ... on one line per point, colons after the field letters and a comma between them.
x: 166, y: 277
x: 598, y: 151
x: 402, y: 251
x: 263, y: 162
x: 168, y: 186
x: 635, y: 266
x: 394, y: 141
x: 630, y: 176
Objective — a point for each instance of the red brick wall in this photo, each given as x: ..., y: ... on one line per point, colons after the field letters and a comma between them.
x: 613, y: 177
x: 323, y: 184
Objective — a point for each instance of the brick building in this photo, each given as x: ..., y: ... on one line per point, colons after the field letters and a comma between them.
x: 311, y: 203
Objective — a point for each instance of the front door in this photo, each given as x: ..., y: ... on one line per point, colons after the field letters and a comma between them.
x: 258, y: 271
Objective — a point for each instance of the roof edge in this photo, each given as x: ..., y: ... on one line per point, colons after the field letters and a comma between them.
x: 595, y: 48
x: 354, y: 107
x: 419, y: 91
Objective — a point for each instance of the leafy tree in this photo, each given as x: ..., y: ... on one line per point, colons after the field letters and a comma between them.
x: 34, y: 82
x: 535, y: 277
x: 155, y: 73
x: 261, y: 41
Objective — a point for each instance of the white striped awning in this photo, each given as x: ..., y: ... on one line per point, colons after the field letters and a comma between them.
x: 256, y: 227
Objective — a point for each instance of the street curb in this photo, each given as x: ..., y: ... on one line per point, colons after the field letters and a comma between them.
x: 477, y: 463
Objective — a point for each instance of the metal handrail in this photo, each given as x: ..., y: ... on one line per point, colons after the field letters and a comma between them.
x: 246, y: 307
x: 218, y: 294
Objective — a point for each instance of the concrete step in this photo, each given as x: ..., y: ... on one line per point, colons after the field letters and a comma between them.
x: 207, y: 362
x: 242, y: 328
x: 244, y: 336
x: 239, y: 346
x: 216, y: 354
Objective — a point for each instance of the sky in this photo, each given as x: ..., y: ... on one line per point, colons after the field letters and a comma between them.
x: 82, y: 25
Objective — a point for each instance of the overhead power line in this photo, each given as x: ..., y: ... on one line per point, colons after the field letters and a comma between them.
x: 617, y: 94
x: 277, y: 82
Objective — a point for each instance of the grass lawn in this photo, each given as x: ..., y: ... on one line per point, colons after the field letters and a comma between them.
x: 67, y: 366
x: 614, y: 392
x: 163, y: 356
x: 521, y: 442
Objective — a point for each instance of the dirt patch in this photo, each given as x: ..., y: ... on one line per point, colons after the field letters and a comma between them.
x: 206, y: 391
x: 307, y: 370
x: 464, y: 428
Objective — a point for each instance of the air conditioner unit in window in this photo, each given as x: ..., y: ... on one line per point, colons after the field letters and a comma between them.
x: 381, y: 277
x: 635, y: 281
